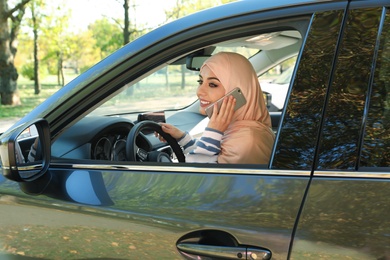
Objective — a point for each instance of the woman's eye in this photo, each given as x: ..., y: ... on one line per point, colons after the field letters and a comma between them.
x: 211, y: 85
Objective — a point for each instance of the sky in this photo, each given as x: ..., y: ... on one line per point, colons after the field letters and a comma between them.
x: 149, y: 12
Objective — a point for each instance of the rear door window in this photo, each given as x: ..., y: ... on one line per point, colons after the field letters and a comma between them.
x: 376, y: 152
x: 343, y: 122
x: 297, y: 137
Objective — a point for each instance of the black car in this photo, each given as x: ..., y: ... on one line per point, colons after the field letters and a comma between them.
x: 95, y: 190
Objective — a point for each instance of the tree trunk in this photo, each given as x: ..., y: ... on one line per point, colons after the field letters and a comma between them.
x: 8, y: 72
x: 126, y: 32
x: 8, y: 86
x: 60, y: 70
x: 37, y: 85
x: 168, y: 87
x: 183, y: 76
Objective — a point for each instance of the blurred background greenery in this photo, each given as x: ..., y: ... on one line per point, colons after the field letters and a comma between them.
x: 51, y: 52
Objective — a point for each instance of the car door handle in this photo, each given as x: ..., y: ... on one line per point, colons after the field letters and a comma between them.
x: 198, y: 251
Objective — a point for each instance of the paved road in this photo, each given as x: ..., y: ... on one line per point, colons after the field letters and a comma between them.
x: 5, y: 124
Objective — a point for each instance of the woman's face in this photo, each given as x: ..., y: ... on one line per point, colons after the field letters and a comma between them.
x: 210, y: 89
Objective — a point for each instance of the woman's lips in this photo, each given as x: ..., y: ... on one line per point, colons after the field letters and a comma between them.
x: 204, y: 103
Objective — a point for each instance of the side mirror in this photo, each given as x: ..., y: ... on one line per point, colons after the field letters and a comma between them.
x: 25, y: 151
x: 267, y: 98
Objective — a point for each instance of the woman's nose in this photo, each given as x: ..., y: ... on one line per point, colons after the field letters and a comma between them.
x: 201, y: 90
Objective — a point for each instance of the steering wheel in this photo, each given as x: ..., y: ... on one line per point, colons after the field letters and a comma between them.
x: 134, y: 153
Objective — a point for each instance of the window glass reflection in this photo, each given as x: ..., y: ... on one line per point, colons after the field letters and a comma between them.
x: 344, y: 113
x: 28, y: 146
x: 376, y: 152
x: 298, y: 136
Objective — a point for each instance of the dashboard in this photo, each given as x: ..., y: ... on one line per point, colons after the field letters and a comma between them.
x: 111, y: 147
x: 105, y: 137
x: 98, y: 138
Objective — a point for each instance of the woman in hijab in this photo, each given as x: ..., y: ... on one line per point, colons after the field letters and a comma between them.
x: 242, y: 136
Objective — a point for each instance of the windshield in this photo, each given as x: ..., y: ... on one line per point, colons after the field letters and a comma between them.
x: 172, y: 87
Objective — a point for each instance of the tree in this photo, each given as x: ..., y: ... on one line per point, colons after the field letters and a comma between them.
x: 130, y: 29
x: 35, y: 18
x: 56, y: 39
x: 107, y: 45
x: 186, y: 7
x: 83, y: 52
x: 10, y: 19
x: 183, y: 8
x: 126, y: 32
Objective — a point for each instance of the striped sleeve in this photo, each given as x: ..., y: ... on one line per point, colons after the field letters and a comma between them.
x: 204, y: 150
x: 32, y: 154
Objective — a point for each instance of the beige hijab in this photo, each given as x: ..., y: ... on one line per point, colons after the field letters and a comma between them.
x: 249, y: 138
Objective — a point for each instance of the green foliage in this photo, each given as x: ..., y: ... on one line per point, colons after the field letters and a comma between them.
x: 79, y: 50
x: 108, y: 36
x: 186, y: 7
x: 27, y: 70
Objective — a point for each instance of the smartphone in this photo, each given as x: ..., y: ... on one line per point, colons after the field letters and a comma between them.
x: 236, y: 93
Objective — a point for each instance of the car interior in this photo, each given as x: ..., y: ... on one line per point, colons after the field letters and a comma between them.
x: 170, y: 90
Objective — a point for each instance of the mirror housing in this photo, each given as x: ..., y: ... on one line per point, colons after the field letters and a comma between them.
x: 267, y: 99
x: 195, y: 62
x: 15, y: 145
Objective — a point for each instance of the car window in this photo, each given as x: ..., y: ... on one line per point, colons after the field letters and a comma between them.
x: 171, y: 87
x: 376, y: 152
x: 297, y: 137
x: 275, y: 83
x: 341, y: 132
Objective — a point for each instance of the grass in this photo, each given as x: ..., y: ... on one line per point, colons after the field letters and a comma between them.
x: 152, y: 90
x: 28, y: 99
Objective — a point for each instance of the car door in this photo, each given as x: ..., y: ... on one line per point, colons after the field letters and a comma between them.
x: 346, y: 211
x: 97, y: 209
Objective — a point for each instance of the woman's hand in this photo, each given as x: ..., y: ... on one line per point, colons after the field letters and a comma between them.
x: 170, y: 129
x: 221, y: 120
